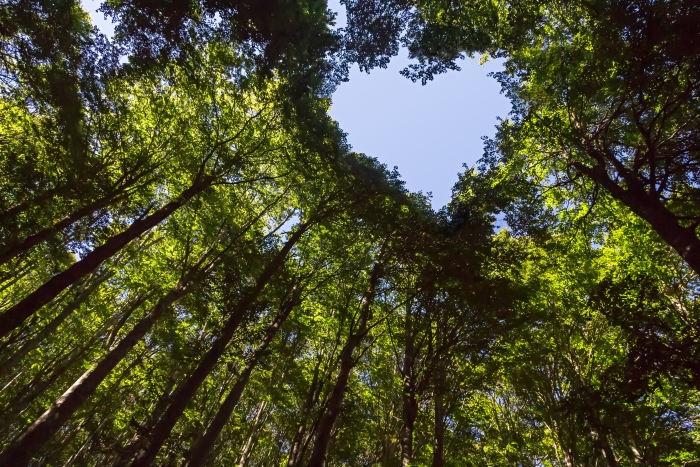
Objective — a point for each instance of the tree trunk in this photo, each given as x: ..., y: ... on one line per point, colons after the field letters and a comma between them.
x: 37, y: 386
x: 18, y: 404
x: 438, y: 392
x: 35, y: 201
x: 128, y: 452
x: 14, y: 317
x: 603, y: 444
x: 318, y: 455
x: 34, y: 342
x: 17, y: 249
x: 207, y: 364
x: 24, y: 447
x: 252, y: 435
x: 682, y: 239
x: 125, y: 315
x: 203, y: 447
x: 439, y: 439
x: 109, y: 396
x: 410, y: 406
x: 311, y: 397
x: 89, y: 439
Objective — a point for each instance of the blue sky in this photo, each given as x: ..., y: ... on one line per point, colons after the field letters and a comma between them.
x: 427, y: 131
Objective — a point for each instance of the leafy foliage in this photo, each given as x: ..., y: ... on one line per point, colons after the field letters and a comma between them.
x: 195, y: 269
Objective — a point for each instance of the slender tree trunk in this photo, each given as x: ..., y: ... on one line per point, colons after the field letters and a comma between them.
x: 31, y: 391
x: 89, y: 439
x: 203, y: 447
x: 12, y: 251
x: 33, y: 343
x: 311, y: 397
x: 410, y: 411
x: 38, y: 386
x: 188, y: 389
x: 410, y: 406
x: 14, y: 317
x: 252, y: 435
x: 35, y: 201
x: 136, y: 442
x: 318, y: 455
x: 682, y: 239
x: 125, y: 315
x: 603, y: 444
x: 108, y: 397
x: 24, y: 447
x: 439, y: 438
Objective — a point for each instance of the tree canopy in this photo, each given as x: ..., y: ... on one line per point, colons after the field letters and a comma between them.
x: 197, y: 270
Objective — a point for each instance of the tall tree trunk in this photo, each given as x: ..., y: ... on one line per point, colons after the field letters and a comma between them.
x: 72, y: 460
x: 439, y: 441
x: 12, y: 251
x: 439, y: 438
x: 33, y: 343
x: 134, y: 305
x: 14, y: 317
x: 24, y: 447
x: 252, y: 435
x: 203, y: 447
x: 682, y: 239
x: 35, y: 201
x: 109, y: 396
x: 207, y: 364
x: 325, y: 428
x: 410, y: 406
x: 37, y: 386
x: 136, y: 442
x: 602, y: 436
x: 296, y: 448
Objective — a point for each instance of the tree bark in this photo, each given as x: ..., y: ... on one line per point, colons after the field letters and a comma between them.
x: 12, y: 251
x: 25, y: 446
x: 682, y: 239
x: 128, y: 452
x: 295, y: 451
x: 410, y: 406
x: 37, y: 386
x: 35, y: 201
x: 207, y: 364
x: 439, y: 438
x: 602, y: 439
x: 252, y: 435
x: 439, y: 375
x: 318, y: 455
x: 203, y: 447
x: 14, y: 317
x: 33, y: 343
